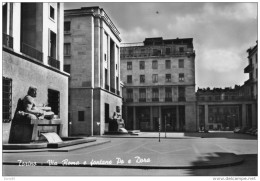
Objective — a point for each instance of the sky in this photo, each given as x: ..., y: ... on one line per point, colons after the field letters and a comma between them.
x: 222, y: 32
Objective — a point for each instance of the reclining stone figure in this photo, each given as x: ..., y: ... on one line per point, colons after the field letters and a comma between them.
x: 119, y: 120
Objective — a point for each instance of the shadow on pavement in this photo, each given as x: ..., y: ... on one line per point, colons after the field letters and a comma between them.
x: 222, y: 135
x: 247, y: 168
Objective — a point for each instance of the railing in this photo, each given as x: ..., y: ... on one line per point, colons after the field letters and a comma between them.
x: 155, y: 99
x: 151, y: 54
x: 107, y: 87
x: 7, y: 40
x: 181, y: 99
x: 248, y: 69
x: 168, y: 99
x: 32, y: 52
x: 129, y: 100
x: 113, y: 90
x: 142, y: 99
x: 53, y: 62
x: 224, y: 98
x: 118, y: 92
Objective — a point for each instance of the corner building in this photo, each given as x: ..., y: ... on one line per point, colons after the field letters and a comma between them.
x: 92, y: 57
x: 159, y: 85
x: 33, y: 56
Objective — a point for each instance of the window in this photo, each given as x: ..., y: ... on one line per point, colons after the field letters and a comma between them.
x: 54, y: 101
x: 52, y: 45
x: 181, y: 63
x: 168, y: 94
x: 155, y: 78
x: 142, y: 95
x: 181, y: 91
x: 129, y: 93
x: 142, y: 78
x: 52, y: 15
x: 181, y: 49
x: 168, y: 64
x: 156, y: 52
x: 105, y: 56
x: 256, y: 58
x: 67, y: 49
x: 129, y: 79
x: 66, y: 26
x: 142, y: 65
x: 106, y: 80
x: 155, y: 64
x: 181, y: 77
x: 66, y: 68
x: 81, y: 115
x: 155, y: 94
x: 167, y: 51
x: 129, y: 65
x: 7, y: 99
x: 167, y: 77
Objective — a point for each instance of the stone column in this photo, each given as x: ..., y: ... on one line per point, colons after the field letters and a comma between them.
x: 177, y: 118
x: 206, y: 116
x: 151, y: 118
x: 244, y: 115
x: 134, y: 118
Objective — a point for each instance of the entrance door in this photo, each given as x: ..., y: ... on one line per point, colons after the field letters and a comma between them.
x: 169, y: 119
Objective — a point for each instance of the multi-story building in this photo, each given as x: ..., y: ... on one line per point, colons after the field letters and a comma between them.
x: 33, y: 56
x: 159, y: 84
x: 225, y: 109
x: 91, y: 55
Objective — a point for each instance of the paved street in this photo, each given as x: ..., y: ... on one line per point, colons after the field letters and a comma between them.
x: 181, y: 155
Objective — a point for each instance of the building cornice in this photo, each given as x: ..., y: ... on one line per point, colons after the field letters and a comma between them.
x: 34, y: 61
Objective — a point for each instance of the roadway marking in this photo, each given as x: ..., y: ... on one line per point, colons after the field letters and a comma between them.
x: 137, y: 147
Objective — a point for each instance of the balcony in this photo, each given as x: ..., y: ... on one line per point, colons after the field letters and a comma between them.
x: 142, y: 99
x: 7, y: 40
x: 168, y: 99
x: 248, y: 69
x: 181, y: 99
x: 118, y: 92
x: 151, y: 54
x: 129, y: 100
x: 53, y: 62
x: 113, y: 90
x: 155, y: 99
x: 107, y: 87
x: 32, y: 52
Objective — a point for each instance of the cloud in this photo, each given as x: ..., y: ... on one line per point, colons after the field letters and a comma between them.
x: 220, y: 60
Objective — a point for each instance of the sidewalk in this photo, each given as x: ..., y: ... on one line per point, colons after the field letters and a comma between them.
x: 137, y: 153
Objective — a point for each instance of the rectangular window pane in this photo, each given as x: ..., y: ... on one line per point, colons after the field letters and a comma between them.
x: 54, y: 101
x: 181, y: 77
x: 167, y: 64
x: 129, y: 93
x: 142, y: 65
x: 142, y: 78
x: 155, y: 78
x: 52, y: 15
x: 81, y: 115
x: 168, y: 51
x: 7, y: 99
x: 129, y: 65
x: 129, y: 79
x: 155, y: 64
x: 181, y: 63
x: 67, y: 26
x: 142, y: 95
x: 168, y: 77
x: 66, y: 48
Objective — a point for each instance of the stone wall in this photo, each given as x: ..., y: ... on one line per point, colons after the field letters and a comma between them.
x: 25, y: 74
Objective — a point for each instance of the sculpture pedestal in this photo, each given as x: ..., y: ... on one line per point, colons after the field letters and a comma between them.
x: 26, y: 131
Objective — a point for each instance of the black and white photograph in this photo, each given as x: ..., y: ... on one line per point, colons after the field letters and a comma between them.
x: 130, y: 89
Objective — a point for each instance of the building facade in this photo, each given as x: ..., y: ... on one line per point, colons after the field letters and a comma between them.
x: 92, y: 57
x: 225, y: 109
x: 33, y: 56
x: 159, y: 85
